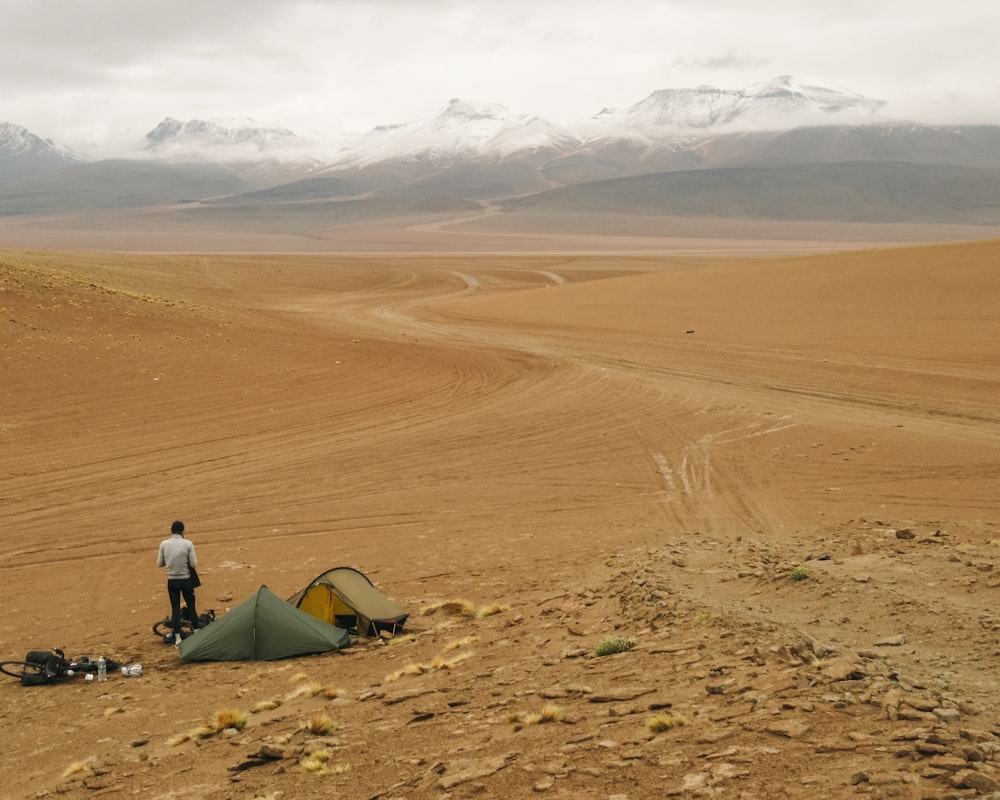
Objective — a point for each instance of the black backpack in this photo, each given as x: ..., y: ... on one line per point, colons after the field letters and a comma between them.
x: 52, y: 665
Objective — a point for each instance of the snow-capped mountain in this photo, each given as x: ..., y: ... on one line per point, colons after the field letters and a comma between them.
x: 461, y: 131
x: 777, y: 102
x: 15, y: 140
x: 24, y: 153
x: 667, y: 118
x: 235, y: 140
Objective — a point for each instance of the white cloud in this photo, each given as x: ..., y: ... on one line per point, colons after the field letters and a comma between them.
x: 114, y: 69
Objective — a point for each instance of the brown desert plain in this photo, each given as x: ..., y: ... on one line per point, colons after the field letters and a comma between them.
x: 774, y: 475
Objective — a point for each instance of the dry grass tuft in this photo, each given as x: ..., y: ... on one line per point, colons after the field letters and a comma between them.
x: 203, y: 732
x: 179, y: 739
x: 305, y: 690
x: 437, y: 663
x: 75, y: 768
x: 265, y: 705
x: 405, y: 638
x: 333, y: 692
x: 298, y: 676
x: 409, y: 669
x: 318, y: 762
x: 458, y: 607
x: 491, y: 609
x: 320, y: 724
x: 549, y: 713
x: 664, y: 722
x: 230, y: 718
x: 463, y: 642
x: 315, y: 761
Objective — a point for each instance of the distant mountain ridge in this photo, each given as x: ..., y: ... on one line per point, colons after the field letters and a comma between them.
x: 467, y: 154
x: 464, y: 129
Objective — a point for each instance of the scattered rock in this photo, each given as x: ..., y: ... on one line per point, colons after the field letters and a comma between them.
x: 791, y: 729
x: 971, y: 779
x: 471, y: 771
x: 947, y: 714
x: 620, y: 695
x: 842, y: 669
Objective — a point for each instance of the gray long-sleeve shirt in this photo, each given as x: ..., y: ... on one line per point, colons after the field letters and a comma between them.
x: 177, y: 555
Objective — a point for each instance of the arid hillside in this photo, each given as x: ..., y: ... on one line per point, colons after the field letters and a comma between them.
x: 773, y: 478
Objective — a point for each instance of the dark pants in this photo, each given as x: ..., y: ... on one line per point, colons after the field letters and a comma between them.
x: 175, y: 588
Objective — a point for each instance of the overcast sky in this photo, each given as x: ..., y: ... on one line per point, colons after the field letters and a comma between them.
x: 106, y: 69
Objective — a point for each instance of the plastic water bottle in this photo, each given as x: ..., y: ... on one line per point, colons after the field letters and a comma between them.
x: 102, y: 669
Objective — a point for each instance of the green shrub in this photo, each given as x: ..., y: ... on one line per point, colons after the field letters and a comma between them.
x: 610, y: 645
x: 799, y: 574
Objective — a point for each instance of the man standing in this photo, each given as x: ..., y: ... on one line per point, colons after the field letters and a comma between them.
x: 177, y: 555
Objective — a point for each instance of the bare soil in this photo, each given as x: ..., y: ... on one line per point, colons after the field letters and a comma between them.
x: 774, y: 476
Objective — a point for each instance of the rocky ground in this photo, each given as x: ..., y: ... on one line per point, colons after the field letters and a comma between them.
x: 654, y: 542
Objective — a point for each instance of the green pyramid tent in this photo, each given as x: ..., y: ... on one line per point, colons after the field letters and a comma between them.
x: 262, y: 628
x: 344, y: 597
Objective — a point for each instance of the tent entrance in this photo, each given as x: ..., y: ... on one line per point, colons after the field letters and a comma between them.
x: 321, y: 602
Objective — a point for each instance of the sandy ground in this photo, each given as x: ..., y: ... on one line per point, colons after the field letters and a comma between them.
x: 578, y: 447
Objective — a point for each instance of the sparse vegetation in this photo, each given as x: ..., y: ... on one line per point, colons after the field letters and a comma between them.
x: 318, y: 762
x: 203, y: 732
x: 320, y: 724
x: 265, y: 705
x: 224, y: 718
x: 305, y: 690
x: 549, y: 713
x: 610, y: 645
x: 458, y: 607
x: 315, y: 761
x: 799, y: 574
x: 464, y: 608
x: 438, y: 662
x: 74, y: 768
x: 230, y: 718
x: 664, y: 722
x: 491, y: 609
x: 463, y: 642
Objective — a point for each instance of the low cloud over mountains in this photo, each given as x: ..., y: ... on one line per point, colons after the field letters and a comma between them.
x: 779, y: 149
